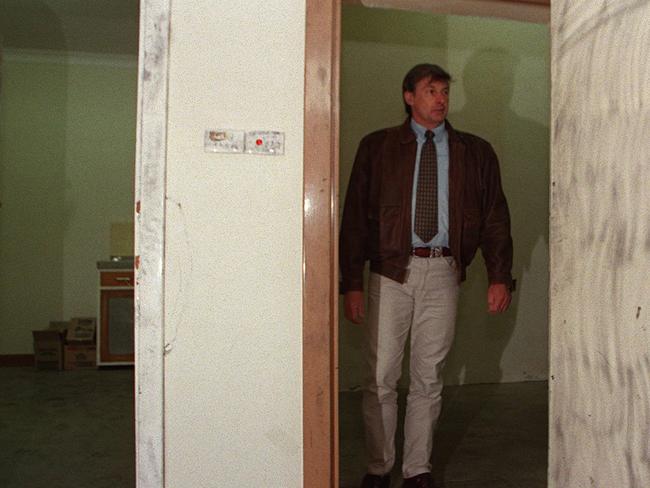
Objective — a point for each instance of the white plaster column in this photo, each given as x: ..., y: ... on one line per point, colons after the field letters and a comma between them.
x: 600, y: 244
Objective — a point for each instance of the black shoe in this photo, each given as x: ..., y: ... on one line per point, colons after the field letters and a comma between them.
x: 423, y: 480
x: 375, y: 481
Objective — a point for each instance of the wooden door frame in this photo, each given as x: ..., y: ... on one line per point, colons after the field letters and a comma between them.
x: 320, y: 222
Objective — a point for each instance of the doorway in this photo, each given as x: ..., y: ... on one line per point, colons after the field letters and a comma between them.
x: 500, y: 91
x: 513, y: 69
x: 67, y: 145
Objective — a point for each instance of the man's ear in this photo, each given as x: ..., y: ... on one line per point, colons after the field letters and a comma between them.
x: 408, y: 98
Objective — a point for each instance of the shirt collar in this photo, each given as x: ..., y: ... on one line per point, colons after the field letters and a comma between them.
x: 420, y: 130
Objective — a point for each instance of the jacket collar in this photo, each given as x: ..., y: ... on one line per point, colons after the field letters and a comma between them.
x: 454, y: 136
x: 406, y: 134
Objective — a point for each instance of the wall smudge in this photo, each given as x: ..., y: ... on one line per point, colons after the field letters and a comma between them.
x: 600, y: 247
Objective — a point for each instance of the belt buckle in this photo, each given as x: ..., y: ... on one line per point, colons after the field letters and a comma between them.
x: 436, y: 252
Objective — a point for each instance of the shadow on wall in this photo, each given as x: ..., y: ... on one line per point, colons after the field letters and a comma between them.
x: 522, y: 147
x: 488, y: 80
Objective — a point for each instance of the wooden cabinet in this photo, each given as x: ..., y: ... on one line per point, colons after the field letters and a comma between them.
x: 115, y: 338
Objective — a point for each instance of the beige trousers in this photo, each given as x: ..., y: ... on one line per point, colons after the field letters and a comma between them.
x: 426, y: 306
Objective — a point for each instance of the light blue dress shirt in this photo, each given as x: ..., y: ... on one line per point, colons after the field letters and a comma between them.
x: 441, y: 140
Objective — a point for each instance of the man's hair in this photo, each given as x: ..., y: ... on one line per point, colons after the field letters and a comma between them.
x: 433, y: 72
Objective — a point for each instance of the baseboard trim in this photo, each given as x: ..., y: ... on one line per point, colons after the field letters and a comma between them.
x: 13, y: 360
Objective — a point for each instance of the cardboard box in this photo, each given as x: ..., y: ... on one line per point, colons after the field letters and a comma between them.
x: 48, y: 349
x: 60, y: 326
x: 80, y: 356
x: 81, y: 330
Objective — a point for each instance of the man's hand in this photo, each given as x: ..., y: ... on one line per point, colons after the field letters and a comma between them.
x: 354, y: 308
x: 498, y: 298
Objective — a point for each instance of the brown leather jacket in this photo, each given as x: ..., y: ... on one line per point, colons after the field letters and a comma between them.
x: 377, y: 212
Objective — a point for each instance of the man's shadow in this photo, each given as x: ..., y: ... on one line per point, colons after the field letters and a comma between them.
x: 522, y: 146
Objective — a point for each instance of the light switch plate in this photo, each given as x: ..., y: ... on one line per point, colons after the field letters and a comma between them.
x: 223, y: 141
x: 265, y: 142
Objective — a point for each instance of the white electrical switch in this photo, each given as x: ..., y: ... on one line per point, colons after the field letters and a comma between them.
x: 224, y: 141
x: 265, y: 142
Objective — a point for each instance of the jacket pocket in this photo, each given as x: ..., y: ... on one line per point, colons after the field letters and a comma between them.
x: 471, y: 237
x: 386, y: 230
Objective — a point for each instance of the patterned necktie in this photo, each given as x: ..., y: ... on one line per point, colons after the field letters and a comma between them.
x: 426, y: 199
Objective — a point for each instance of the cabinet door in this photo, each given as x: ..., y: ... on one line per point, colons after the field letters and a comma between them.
x: 116, y: 326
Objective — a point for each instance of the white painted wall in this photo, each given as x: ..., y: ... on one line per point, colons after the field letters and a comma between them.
x: 600, y: 245
x: 233, y: 290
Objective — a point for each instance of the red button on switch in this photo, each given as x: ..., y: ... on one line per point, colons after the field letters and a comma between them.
x: 259, y: 142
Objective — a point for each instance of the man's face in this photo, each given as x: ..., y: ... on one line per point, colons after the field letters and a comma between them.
x: 429, y: 102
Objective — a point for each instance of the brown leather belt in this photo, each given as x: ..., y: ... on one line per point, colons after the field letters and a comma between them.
x: 430, y: 252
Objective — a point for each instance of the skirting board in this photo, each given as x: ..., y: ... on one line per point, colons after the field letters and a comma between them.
x: 14, y: 360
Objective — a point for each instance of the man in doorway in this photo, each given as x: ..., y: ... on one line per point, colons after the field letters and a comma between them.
x: 422, y: 198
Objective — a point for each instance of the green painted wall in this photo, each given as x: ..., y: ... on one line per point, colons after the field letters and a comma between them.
x: 33, y: 102
x: 67, y: 147
x: 500, y: 92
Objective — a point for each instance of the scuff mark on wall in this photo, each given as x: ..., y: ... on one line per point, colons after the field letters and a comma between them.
x: 282, y: 441
x: 599, y: 209
x: 182, y: 270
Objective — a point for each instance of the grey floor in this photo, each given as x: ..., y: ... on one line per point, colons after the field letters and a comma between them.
x: 66, y: 429
x: 488, y: 436
x: 75, y: 429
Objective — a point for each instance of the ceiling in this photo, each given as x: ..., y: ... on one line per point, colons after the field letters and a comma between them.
x: 92, y: 26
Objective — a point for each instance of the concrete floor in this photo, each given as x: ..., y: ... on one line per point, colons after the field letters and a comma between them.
x: 65, y: 429
x: 488, y: 436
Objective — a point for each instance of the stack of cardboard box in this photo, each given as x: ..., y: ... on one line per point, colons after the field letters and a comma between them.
x: 48, y: 346
x: 67, y: 345
x: 80, y: 351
